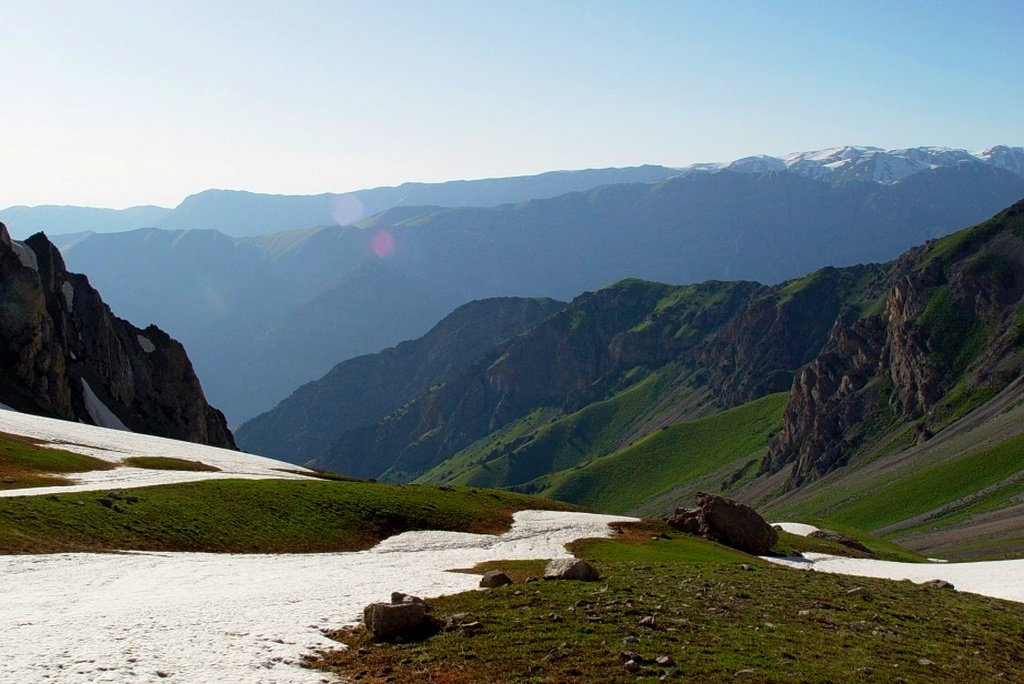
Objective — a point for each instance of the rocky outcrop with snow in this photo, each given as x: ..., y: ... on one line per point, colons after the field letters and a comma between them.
x: 64, y: 354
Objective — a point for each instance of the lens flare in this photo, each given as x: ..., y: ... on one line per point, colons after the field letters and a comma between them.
x: 347, y: 209
x: 383, y: 244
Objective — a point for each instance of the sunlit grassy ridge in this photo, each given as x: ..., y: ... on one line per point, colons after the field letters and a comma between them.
x: 261, y: 516
x: 677, y: 455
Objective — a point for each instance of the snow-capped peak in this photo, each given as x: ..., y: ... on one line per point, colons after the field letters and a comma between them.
x: 866, y: 163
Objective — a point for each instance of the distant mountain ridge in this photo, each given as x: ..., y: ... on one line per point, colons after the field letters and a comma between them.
x: 241, y: 213
x: 262, y: 315
x: 63, y: 354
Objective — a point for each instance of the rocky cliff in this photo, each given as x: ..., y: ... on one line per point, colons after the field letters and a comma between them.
x: 64, y: 354
x: 950, y: 334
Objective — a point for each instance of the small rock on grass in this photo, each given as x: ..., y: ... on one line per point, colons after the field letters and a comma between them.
x: 665, y: 661
x: 858, y: 591
x: 570, y: 569
x: 631, y: 666
x: 493, y: 579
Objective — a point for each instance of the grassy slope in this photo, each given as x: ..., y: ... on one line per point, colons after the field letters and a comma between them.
x: 23, y: 463
x: 574, y: 439
x: 249, y: 516
x: 677, y: 455
x: 713, y: 618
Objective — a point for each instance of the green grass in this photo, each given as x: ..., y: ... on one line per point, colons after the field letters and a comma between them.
x: 716, y: 613
x: 665, y: 459
x: 169, y: 463
x: 921, y: 489
x: 563, y: 444
x: 24, y: 463
x: 259, y: 516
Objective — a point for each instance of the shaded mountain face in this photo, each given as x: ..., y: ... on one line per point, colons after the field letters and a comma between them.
x: 64, y: 354
x: 363, y: 390
x: 949, y: 338
x: 263, y: 315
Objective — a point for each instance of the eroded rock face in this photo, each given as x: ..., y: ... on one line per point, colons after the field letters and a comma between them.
x: 728, y: 522
x: 64, y: 354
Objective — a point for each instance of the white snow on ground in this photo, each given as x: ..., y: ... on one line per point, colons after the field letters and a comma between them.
x: 796, y: 528
x: 81, y: 618
x: 1000, y: 579
x: 115, y: 445
x: 100, y: 413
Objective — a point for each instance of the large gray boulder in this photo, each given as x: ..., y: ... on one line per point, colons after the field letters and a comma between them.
x: 728, y: 522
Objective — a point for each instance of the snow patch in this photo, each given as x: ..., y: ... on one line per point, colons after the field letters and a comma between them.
x: 25, y: 254
x: 69, y: 295
x: 98, y: 411
x: 999, y: 579
x: 115, y: 446
x: 146, y: 344
x: 796, y: 528
x: 226, y: 617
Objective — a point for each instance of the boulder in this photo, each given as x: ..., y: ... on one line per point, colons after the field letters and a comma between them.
x: 839, y: 538
x: 404, y: 615
x: 493, y: 579
x: 726, y: 521
x: 570, y: 569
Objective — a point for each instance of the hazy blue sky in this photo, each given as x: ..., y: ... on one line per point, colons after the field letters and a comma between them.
x: 118, y: 103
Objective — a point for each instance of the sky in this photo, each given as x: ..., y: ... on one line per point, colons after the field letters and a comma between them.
x: 117, y: 103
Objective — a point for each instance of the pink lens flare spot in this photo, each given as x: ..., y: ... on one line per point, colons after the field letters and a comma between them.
x: 383, y: 244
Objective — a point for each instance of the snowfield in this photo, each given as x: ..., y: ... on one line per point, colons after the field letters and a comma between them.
x: 117, y: 445
x: 202, y: 618
x: 999, y: 579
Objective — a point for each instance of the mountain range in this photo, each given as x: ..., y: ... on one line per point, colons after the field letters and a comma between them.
x: 240, y: 213
x: 262, y: 315
x: 887, y: 396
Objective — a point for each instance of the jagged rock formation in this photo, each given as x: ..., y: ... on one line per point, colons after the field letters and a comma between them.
x: 953, y: 318
x: 728, y: 522
x: 64, y: 354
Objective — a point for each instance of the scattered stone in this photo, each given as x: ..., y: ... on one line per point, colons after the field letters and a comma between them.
x: 631, y: 666
x: 665, y: 661
x: 649, y: 621
x: 839, y: 538
x: 493, y: 579
x: 401, y: 616
x: 728, y: 522
x: 445, y: 487
x: 400, y: 597
x: 570, y: 569
x: 924, y: 661
x: 743, y: 673
x: 471, y: 627
x: 939, y: 584
x: 555, y: 617
x: 858, y: 591
x: 745, y: 567
x: 9, y: 480
x: 803, y: 613
x: 52, y: 497
x: 865, y: 670
x: 78, y: 502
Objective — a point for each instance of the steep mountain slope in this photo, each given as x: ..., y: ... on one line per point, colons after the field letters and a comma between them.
x: 641, y: 348
x: 65, y: 355
x: 904, y: 413
x: 363, y: 390
x: 264, y: 314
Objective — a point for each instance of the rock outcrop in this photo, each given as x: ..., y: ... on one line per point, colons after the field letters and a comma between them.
x: 952, y: 317
x: 728, y: 522
x: 64, y: 354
